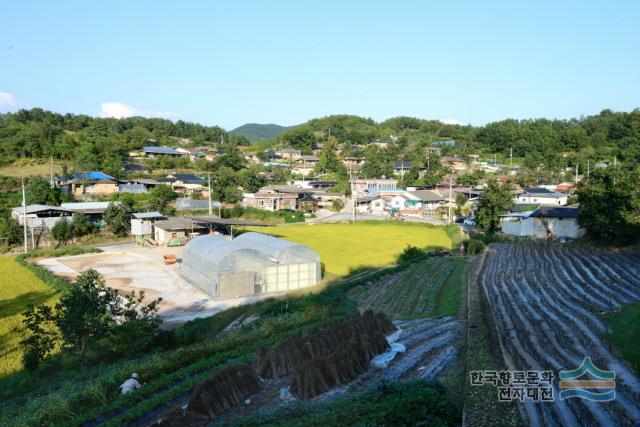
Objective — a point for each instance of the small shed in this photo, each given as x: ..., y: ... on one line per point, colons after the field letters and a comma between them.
x: 177, y: 229
x: 546, y: 222
x: 40, y: 216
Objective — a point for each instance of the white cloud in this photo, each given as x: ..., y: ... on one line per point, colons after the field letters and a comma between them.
x: 7, y: 101
x: 453, y: 122
x: 118, y: 110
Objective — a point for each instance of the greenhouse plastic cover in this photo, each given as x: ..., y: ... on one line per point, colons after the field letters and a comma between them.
x: 205, y: 258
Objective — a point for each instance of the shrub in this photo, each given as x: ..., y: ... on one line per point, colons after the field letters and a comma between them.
x: 475, y: 247
x: 410, y: 253
x: 62, y: 232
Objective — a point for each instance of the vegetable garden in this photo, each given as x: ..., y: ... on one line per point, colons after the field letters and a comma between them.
x: 544, y: 300
x: 415, y: 291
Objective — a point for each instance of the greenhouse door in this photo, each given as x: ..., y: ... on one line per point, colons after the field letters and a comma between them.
x: 281, y: 278
x: 234, y: 285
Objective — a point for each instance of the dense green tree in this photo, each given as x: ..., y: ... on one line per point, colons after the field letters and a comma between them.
x: 90, y: 315
x: 82, y: 226
x: 62, y: 232
x: 11, y: 232
x: 377, y: 163
x: 610, y: 205
x: 494, y: 201
x: 42, y: 337
x: 86, y: 311
x: 159, y: 198
x: 116, y: 218
x: 39, y: 191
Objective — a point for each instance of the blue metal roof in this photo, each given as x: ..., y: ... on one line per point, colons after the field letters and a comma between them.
x: 91, y: 175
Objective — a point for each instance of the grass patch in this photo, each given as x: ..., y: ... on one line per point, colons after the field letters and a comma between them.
x: 20, y: 287
x: 344, y: 248
x: 625, y: 333
x: 448, y: 301
x: 19, y: 170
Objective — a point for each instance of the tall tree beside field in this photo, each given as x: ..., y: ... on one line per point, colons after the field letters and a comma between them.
x: 160, y: 197
x: 610, y: 205
x: 494, y: 201
x: 62, y: 232
x: 116, y: 219
x: 90, y: 315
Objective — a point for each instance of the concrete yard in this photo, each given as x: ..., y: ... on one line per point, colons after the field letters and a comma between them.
x: 128, y: 267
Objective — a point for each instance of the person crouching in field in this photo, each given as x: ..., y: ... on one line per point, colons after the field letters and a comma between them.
x: 131, y: 384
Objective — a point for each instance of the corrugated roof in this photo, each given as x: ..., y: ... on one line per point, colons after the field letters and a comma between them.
x: 147, y: 215
x: 38, y: 208
x: 97, y: 175
x: 191, y: 204
x: 403, y: 165
x: 556, y: 212
x: 87, y: 205
x: 161, y: 150
x: 132, y: 188
x: 178, y: 223
x: 427, y: 195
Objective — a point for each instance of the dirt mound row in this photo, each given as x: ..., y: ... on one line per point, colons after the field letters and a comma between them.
x: 219, y: 393
x: 325, y: 357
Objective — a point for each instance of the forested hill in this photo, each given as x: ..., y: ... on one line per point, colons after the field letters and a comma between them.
x: 93, y: 143
x: 256, y: 131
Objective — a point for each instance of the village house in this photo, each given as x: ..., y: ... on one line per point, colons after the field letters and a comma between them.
x: 276, y: 198
x: 546, y: 222
x: 94, y: 211
x: 185, y: 183
x: 455, y: 163
x: 325, y: 199
x: 423, y: 203
x: 541, y: 196
x: 382, y: 143
x: 193, y: 153
x: 353, y: 163
x: 363, y: 186
x: 303, y: 170
x: 288, y: 154
x: 176, y: 230
x: 401, y: 168
x: 154, y: 152
x: 252, y: 157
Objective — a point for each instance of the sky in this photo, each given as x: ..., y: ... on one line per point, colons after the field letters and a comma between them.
x: 233, y: 62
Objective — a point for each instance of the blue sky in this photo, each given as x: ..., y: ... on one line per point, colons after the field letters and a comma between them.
x: 233, y: 62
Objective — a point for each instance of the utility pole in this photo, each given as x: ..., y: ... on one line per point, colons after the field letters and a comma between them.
x: 450, y: 197
x: 511, y: 157
x: 51, y: 180
x: 615, y: 160
x: 24, y: 215
x: 209, y: 192
x: 353, y: 202
x: 588, y: 168
x: 576, y: 173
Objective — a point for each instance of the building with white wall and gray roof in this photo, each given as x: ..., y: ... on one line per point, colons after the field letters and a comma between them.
x: 251, y: 264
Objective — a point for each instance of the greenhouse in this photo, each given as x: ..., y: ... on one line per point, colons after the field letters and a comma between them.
x: 251, y: 264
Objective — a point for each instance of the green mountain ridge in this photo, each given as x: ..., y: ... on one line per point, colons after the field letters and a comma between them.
x: 257, y: 131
